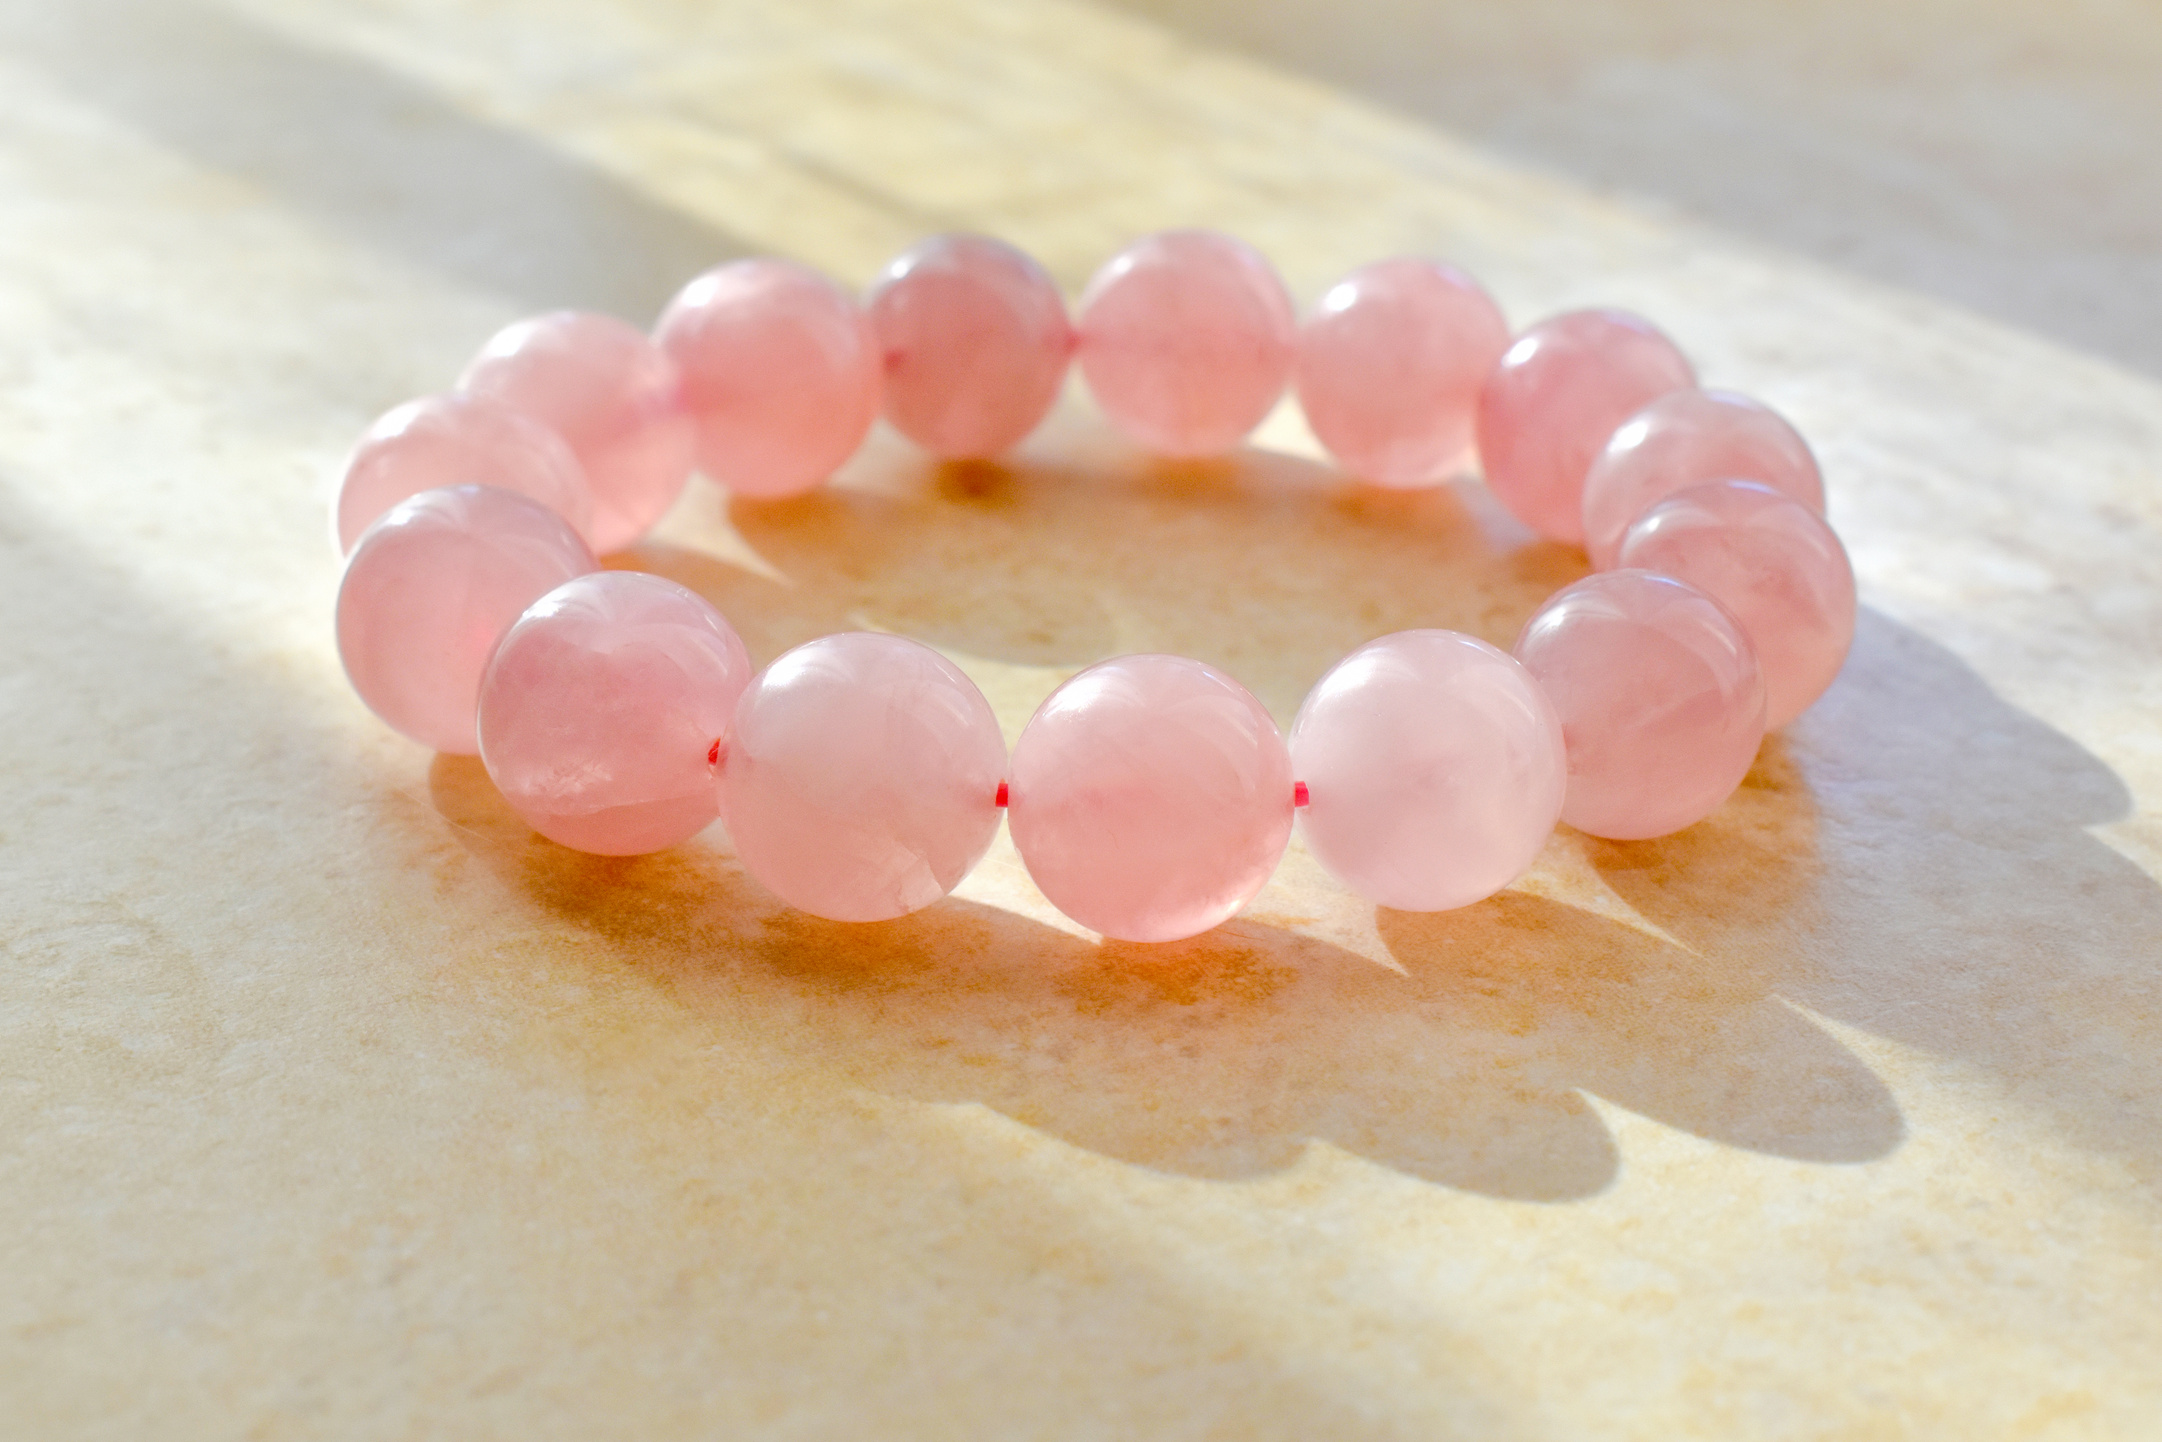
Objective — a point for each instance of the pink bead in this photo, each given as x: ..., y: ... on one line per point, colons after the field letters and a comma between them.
x: 1151, y: 797
x: 1771, y: 561
x: 861, y: 781
x: 1390, y: 367
x: 975, y: 341
x: 430, y: 589
x: 609, y: 392
x: 780, y: 369
x: 1186, y: 339
x: 458, y: 440
x: 1681, y: 440
x: 1556, y: 396
x: 1434, y: 769
x: 1661, y: 706
x: 601, y: 706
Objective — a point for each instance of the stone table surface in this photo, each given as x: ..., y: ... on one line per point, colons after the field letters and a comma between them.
x: 334, y: 1104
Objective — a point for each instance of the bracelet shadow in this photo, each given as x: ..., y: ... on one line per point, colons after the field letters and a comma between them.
x: 1225, y: 1056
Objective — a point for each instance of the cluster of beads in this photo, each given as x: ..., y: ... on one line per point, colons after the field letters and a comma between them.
x: 861, y: 775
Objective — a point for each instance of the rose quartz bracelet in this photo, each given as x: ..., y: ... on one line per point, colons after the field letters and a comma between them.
x: 861, y: 776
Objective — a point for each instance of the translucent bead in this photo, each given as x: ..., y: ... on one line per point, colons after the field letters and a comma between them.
x: 1681, y: 440
x: 1390, y: 366
x: 1151, y: 797
x: 975, y: 342
x: 430, y: 589
x: 1771, y: 561
x: 458, y: 440
x: 780, y: 370
x: 1555, y: 398
x: 1434, y: 769
x: 1660, y: 702
x: 861, y: 780
x: 1186, y: 340
x: 601, y: 706
x: 610, y: 393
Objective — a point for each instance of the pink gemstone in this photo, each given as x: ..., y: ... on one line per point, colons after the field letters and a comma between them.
x: 1683, y: 439
x: 1390, y: 367
x: 780, y: 368
x: 862, y: 777
x: 430, y: 589
x: 607, y: 390
x: 1434, y: 770
x: 1771, y: 561
x: 975, y: 341
x: 1151, y: 797
x: 1661, y: 706
x: 1555, y: 398
x: 601, y: 706
x: 458, y: 440
x: 1186, y: 339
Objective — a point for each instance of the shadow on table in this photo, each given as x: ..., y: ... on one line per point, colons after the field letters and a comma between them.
x: 367, y: 153
x: 1912, y: 860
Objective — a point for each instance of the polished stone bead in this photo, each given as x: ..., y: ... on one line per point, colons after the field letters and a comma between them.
x: 780, y: 371
x: 428, y: 592
x: 1151, y: 797
x: 974, y: 339
x: 861, y: 780
x: 1434, y: 770
x: 1390, y: 366
x: 601, y: 706
x: 1661, y: 704
x: 459, y: 439
x: 1186, y: 340
x: 609, y: 392
x: 1774, y: 564
x: 1683, y: 439
x: 1558, y: 393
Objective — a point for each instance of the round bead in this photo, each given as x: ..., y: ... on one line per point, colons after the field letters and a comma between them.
x: 861, y: 781
x: 1186, y: 340
x: 1660, y: 703
x: 1434, y: 769
x: 1556, y: 396
x: 780, y: 371
x: 430, y: 589
x: 610, y: 393
x: 600, y: 707
x: 1151, y: 797
x: 457, y: 440
x: 974, y: 339
x: 1774, y: 564
x: 1683, y: 439
x: 1390, y: 366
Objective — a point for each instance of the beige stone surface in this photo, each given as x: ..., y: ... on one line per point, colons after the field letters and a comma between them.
x: 333, y: 1104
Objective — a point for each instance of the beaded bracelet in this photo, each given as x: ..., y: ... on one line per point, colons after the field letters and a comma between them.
x: 861, y: 775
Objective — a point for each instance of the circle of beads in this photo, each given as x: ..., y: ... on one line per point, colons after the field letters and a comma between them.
x: 862, y: 775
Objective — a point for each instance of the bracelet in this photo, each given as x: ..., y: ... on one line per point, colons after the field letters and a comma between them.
x: 861, y: 775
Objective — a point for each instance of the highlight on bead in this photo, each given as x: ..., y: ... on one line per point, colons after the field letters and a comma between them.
x: 1555, y: 397
x: 616, y: 400
x: 779, y: 372
x: 1686, y: 438
x: 861, y: 776
x: 1659, y: 696
x: 595, y: 706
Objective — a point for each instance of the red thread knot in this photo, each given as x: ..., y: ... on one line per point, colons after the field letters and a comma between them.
x: 1000, y: 799
x: 1298, y: 793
